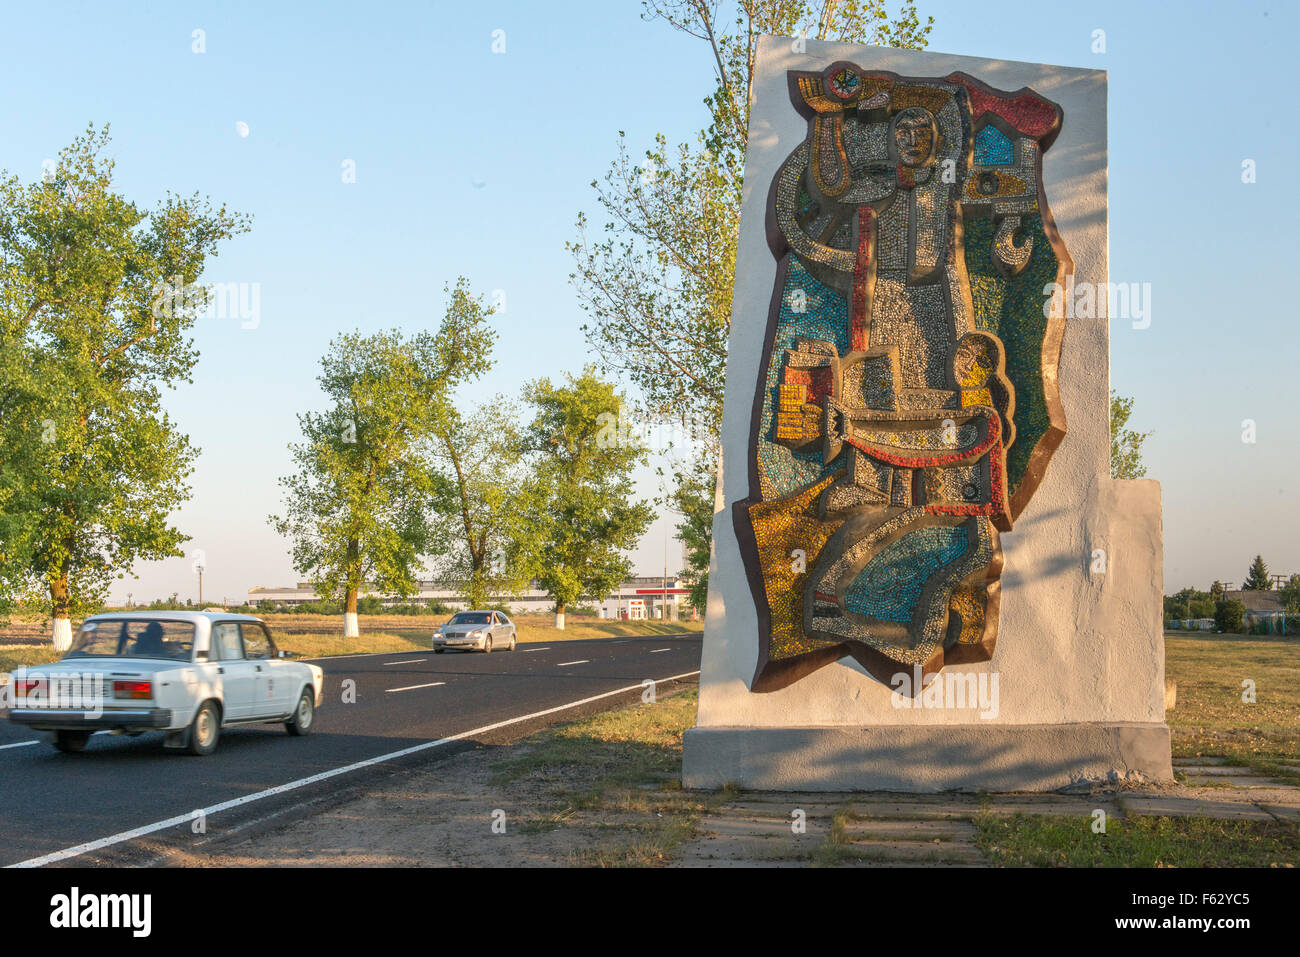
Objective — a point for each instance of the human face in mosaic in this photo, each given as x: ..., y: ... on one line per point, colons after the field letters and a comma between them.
x: 914, y: 136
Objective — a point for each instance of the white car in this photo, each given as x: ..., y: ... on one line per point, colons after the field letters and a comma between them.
x: 484, y: 630
x: 189, y: 674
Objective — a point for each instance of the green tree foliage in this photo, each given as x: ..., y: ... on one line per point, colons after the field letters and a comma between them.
x: 655, y: 276
x: 1257, y: 578
x: 480, y: 458
x: 97, y: 299
x: 580, y: 518
x: 1289, y: 595
x: 358, y: 509
x: 692, y: 497
x: 1125, y: 444
x: 1190, y: 603
x: 1229, y: 616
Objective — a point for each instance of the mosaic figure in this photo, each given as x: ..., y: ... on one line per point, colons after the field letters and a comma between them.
x: 907, y: 401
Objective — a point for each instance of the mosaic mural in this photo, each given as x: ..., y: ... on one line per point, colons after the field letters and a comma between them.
x: 907, y: 405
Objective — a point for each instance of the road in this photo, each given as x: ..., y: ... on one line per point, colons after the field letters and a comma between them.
x: 52, y: 802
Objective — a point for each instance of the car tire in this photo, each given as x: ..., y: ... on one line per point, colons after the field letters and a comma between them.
x: 205, y: 729
x: 304, y: 716
x: 438, y: 651
x: 71, y: 742
x: 511, y: 646
x: 487, y: 645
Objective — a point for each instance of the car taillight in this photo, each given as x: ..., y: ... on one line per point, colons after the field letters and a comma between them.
x: 132, y: 689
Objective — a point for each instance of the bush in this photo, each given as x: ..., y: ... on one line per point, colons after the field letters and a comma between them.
x: 1229, y: 615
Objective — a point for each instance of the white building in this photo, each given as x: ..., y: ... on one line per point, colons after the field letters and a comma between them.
x: 647, y: 598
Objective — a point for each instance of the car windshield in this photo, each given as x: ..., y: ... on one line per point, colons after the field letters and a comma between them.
x: 134, y: 638
x: 471, y: 618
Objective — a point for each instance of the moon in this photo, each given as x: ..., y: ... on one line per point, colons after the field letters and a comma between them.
x: 242, y: 129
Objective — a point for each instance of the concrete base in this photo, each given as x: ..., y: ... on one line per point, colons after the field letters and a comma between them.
x: 1041, y: 757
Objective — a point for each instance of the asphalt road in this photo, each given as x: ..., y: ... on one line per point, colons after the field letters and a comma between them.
x: 50, y: 802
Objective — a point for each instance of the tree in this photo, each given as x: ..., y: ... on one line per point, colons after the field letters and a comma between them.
x: 1257, y: 579
x: 579, y: 515
x: 1125, y: 444
x: 97, y: 297
x: 480, y: 459
x: 1289, y: 595
x: 692, y: 497
x: 359, y: 507
x: 656, y: 278
x: 1229, y: 616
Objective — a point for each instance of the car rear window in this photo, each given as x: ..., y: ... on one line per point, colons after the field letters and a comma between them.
x: 134, y: 638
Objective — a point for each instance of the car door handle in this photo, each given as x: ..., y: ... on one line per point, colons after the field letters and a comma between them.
x: 259, y: 667
x: 221, y: 671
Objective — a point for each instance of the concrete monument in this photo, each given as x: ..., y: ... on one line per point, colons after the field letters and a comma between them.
x: 922, y: 579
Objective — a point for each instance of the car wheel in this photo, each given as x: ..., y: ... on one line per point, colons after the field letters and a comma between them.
x: 205, y: 729
x: 438, y: 651
x: 303, y: 716
x: 487, y: 645
x: 511, y: 646
x: 71, y: 742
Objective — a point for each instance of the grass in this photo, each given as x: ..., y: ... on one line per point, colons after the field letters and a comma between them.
x: 617, y: 776
x: 1025, y: 840
x: 16, y: 656
x: 1211, y: 719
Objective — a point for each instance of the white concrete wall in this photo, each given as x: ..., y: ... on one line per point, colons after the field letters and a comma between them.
x: 1072, y: 646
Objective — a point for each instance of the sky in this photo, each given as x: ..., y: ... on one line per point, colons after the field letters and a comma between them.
x: 474, y: 162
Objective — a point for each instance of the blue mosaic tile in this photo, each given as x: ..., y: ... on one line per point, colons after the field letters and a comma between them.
x: 889, y: 586
x: 826, y: 318
x: 992, y: 148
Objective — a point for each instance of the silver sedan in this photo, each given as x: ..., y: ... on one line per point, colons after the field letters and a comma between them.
x: 478, y: 630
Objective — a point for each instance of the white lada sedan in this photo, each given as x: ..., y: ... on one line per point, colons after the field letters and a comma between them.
x: 187, y: 673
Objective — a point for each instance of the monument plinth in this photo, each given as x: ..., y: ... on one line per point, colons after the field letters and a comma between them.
x: 923, y: 575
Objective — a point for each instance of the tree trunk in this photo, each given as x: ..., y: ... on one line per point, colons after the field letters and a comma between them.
x: 61, y: 602
x: 350, y: 629
x: 559, y: 617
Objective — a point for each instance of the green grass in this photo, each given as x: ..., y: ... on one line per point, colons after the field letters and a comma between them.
x: 1211, y: 720
x: 16, y: 656
x: 1026, y: 840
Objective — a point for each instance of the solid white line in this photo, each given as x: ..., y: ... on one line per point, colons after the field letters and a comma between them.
x: 525, y: 651
x: 189, y: 816
x: 20, y: 744
x: 657, y: 650
x: 409, y: 661
x: 565, y: 664
x: 432, y: 684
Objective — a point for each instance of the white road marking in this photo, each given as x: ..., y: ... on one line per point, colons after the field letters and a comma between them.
x: 565, y: 664
x: 657, y: 650
x: 189, y: 816
x: 20, y: 744
x: 408, y: 661
x: 527, y: 650
x: 431, y: 684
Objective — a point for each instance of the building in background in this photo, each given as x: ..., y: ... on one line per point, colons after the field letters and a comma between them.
x: 649, y: 598
x: 1261, y: 606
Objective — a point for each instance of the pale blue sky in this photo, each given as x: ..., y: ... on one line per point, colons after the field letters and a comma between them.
x: 477, y: 163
